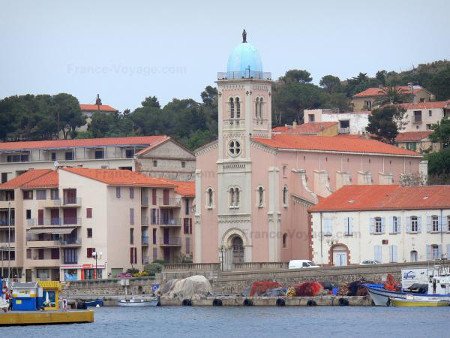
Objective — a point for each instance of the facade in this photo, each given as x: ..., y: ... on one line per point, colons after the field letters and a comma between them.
x: 354, y: 123
x: 253, y: 186
x: 421, y: 116
x: 418, y: 141
x: 367, y: 99
x: 111, y: 153
x: 388, y: 224
x: 62, y: 219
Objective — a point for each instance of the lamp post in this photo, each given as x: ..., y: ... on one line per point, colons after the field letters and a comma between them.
x: 96, y: 255
x: 222, y: 249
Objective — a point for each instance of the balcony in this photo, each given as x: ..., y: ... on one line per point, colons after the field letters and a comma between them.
x: 52, y: 222
x: 75, y: 242
x: 144, y: 221
x: 44, y: 263
x: 175, y: 222
x: 42, y: 244
x: 7, y: 204
x: 246, y: 74
x: 71, y: 201
x: 170, y: 202
x: 171, y: 241
x: 144, y: 201
x: 144, y: 240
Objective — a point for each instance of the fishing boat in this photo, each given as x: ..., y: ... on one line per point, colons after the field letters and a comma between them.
x: 420, y: 301
x: 94, y: 303
x: 438, y: 288
x: 133, y: 302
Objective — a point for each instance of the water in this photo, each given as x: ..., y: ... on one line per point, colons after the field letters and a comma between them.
x: 251, y: 322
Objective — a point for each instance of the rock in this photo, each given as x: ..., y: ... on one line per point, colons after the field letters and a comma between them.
x: 194, y: 287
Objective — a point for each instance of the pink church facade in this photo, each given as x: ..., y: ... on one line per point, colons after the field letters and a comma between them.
x: 253, y: 189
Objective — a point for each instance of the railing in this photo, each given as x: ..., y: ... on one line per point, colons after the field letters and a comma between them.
x: 234, y: 123
x: 5, y: 223
x: 61, y: 221
x: 192, y: 267
x: 247, y: 74
x: 171, y: 241
x: 71, y: 201
x: 74, y: 241
x: 260, y: 265
x: 35, y: 243
x: 144, y: 221
x: 170, y: 202
x: 260, y: 121
x: 170, y: 222
x: 144, y: 240
x: 344, y: 130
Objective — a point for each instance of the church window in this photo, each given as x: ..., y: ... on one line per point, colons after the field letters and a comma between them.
x: 260, y: 197
x: 285, y: 196
x: 231, y: 108
x: 238, y: 108
x: 234, y: 148
x: 256, y: 107
x: 284, y: 240
x: 260, y: 107
x: 234, y: 197
x: 209, y: 197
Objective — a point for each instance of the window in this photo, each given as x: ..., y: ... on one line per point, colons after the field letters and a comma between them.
x: 133, y: 255
x: 70, y: 256
x: 411, y: 146
x: 413, y: 256
x: 154, y: 216
x: 188, y: 246
x: 129, y: 153
x: 154, y: 236
x: 28, y: 214
x: 377, y: 225
x: 417, y: 116
x: 155, y: 254
x: 28, y: 194
x: 434, y: 252
x: 41, y: 194
x: 89, y: 252
x: 131, y: 193
x: 284, y: 170
x: 238, y: 108
x: 54, y: 194
x: 327, y: 227
x: 186, y: 206
x: 187, y: 226
x: 285, y: 196
x: 153, y: 196
x: 231, y: 108
x: 395, y: 225
x: 89, y: 232
x: 234, y: 197
x: 54, y: 253
x: 155, y: 163
x: 4, y: 177
x: 68, y: 155
x: 131, y: 236
x: 367, y: 105
x: 53, y: 156
x: 257, y: 107
x: 117, y: 192
x: 209, y: 198
x: 284, y: 240
x: 99, y: 153
x: 348, y: 226
x: 430, y: 113
x: 234, y: 148
x: 448, y: 229
x: 311, y: 117
x: 88, y: 212
x: 260, y: 197
x: 131, y: 216
x: 434, y: 225
x: 414, y: 224
x: 183, y: 164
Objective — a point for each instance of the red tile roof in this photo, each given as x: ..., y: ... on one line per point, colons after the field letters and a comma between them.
x: 24, y: 179
x: 118, y: 177
x: 183, y: 188
x: 426, y: 105
x: 310, y: 128
x: 88, y: 142
x: 49, y: 180
x: 411, y: 136
x: 379, y: 91
x: 95, y: 107
x: 385, y: 197
x: 346, y: 144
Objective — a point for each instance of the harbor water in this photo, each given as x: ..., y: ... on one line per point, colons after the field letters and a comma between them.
x: 250, y: 322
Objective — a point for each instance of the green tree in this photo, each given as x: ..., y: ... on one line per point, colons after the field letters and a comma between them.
x: 68, y: 114
x: 382, y: 122
x: 296, y: 76
x: 332, y: 84
x: 439, y: 167
x: 441, y: 133
x: 393, y: 95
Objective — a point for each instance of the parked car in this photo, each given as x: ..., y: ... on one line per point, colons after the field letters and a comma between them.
x: 302, y: 263
x: 369, y: 262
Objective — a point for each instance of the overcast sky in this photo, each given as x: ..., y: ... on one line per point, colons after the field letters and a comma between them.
x: 127, y: 50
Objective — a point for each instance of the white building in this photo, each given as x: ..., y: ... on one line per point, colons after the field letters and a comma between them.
x: 385, y: 223
x: 354, y: 123
x: 422, y: 115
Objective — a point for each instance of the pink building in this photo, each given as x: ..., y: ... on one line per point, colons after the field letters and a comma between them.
x: 253, y: 188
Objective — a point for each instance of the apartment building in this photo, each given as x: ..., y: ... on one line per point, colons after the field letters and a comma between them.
x: 386, y: 223
x: 79, y: 223
x: 170, y: 158
x: 423, y: 115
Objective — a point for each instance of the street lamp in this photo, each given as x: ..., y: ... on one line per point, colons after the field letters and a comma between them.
x: 97, y: 256
x: 222, y: 249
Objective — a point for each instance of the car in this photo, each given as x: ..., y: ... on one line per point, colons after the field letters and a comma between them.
x: 369, y: 262
x: 301, y: 264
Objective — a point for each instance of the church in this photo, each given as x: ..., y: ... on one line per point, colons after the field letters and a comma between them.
x: 254, y: 187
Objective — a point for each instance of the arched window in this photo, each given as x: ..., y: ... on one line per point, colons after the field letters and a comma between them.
x: 236, y: 193
x: 413, y: 256
x: 284, y: 240
x: 260, y: 107
x: 260, y: 196
x: 232, y: 197
x: 285, y: 196
x: 238, y: 108
x: 231, y: 108
x: 209, y: 197
x: 256, y: 107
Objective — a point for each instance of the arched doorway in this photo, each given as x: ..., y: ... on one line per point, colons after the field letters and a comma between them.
x: 238, y: 249
x: 413, y: 256
x: 339, y: 255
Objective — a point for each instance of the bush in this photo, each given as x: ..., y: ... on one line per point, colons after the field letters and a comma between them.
x: 153, y: 268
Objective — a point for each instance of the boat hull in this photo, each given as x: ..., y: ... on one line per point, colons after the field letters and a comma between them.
x: 382, y: 297
x: 137, y: 303
x: 418, y: 303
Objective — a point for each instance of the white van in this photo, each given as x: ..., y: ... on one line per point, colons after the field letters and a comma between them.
x: 301, y: 263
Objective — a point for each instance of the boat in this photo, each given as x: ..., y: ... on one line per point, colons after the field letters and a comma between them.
x: 133, y: 302
x: 94, y: 303
x: 438, y: 288
x: 419, y: 302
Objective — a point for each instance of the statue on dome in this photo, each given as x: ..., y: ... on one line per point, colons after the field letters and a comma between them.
x: 244, y: 36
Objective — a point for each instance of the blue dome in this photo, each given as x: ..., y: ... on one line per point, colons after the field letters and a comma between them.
x: 244, y: 60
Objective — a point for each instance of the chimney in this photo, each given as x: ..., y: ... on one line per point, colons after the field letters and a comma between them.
x: 294, y: 124
x: 98, y: 101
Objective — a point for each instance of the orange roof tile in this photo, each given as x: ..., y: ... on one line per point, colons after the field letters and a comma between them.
x: 310, y: 128
x: 333, y: 144
x: 385, y: 197
x: 48, y: 180
x: 183, y: 188
x: 426, y: 105
x: 95, y: 107
x: 25, y: 178
x: 89, y: 142
x: 118, y: 177
x: 411, y: 136
x: 379, y: 91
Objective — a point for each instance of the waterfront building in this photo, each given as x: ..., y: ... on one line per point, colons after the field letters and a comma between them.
x: 386, y: 223
x: 253, y: 186
x: 154, y: 155
x: 66, y: 222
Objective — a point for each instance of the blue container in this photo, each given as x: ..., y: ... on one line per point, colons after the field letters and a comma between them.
x: 24, y: 304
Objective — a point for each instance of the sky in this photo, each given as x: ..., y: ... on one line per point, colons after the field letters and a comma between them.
x: 128, y: 50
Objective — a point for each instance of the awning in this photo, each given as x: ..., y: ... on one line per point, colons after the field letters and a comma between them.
x: 60, y: 231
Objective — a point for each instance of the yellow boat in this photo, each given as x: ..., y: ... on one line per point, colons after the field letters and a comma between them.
x: 418, y: 302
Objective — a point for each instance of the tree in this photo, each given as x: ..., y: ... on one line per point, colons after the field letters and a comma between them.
x: 441, y: 133
x: 381, y: 77
x: 382, y: 122
x: 68, y: 114
x: 151, y: 101
x: 296, y: 76
x: 332, y: 84
x: 393, y: 95
x: 439, y: 167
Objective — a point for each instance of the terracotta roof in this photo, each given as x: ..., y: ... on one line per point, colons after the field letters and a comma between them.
x: 183, y: 188
x: 411, y: 136
x: 88, y: 142
x: 310, y: 128
x: 95, y: 107
x: 341, y: 143
x: 386, y: 197
x: 25, y: 178
x: 48, y: 180
x: 426, y: 105
x: 379, y: 91
x: 116, y: 177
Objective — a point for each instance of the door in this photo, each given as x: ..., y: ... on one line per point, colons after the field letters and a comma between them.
x: 166, y: 196
x: 54, y: 217
x: 238, y: 250
x: 41, y: 217
x: 339, y: 258
x: 70, y: 216
x: 166, y: 236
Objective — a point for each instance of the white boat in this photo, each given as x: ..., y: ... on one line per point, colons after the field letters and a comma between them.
x: 133, y: 302
x: 438, y: 288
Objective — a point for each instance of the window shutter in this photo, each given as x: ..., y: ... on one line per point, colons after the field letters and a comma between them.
x: 429, y: 252
x: 372, y: 225
x: 419, y: 224
x: 445, y: 225
x: 408, y: 224
x: 429, y: 224
x: 378, y: 253
x: 394, y: 258
x: 383, y: 224
x: 399, y: 225
x: 327, y: 227
x: 350, y: 225
x: 440, y: 224
x: 439, y: 251
x: 448, y: 251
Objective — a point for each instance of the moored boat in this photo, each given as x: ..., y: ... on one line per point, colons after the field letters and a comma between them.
x: 419, y: 302
x: 133, y: 302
